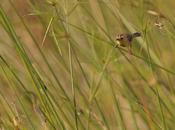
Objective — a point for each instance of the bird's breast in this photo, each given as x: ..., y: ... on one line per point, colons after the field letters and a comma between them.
x: 124, y: 43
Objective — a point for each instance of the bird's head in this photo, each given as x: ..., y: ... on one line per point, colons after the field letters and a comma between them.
x: 120, y: 37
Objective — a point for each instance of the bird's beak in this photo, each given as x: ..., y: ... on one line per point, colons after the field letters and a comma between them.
x: 117, y: 38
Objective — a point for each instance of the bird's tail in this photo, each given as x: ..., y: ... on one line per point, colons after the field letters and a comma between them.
x: 136, y: 34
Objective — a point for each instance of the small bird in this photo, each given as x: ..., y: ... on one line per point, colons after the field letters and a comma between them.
x: 125, y: 40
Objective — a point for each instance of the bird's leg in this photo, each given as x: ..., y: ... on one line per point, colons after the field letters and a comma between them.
x: 130, y: 49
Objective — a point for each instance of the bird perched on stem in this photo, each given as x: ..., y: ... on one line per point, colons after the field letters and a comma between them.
x: 125, y: 40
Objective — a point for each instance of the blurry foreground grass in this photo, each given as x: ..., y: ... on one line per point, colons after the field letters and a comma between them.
x: 59, y: 68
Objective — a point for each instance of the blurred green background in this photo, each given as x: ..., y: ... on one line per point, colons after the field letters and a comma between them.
x: 59, y: 68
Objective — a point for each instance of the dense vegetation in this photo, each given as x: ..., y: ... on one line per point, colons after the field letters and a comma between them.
x: 60, y: 67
